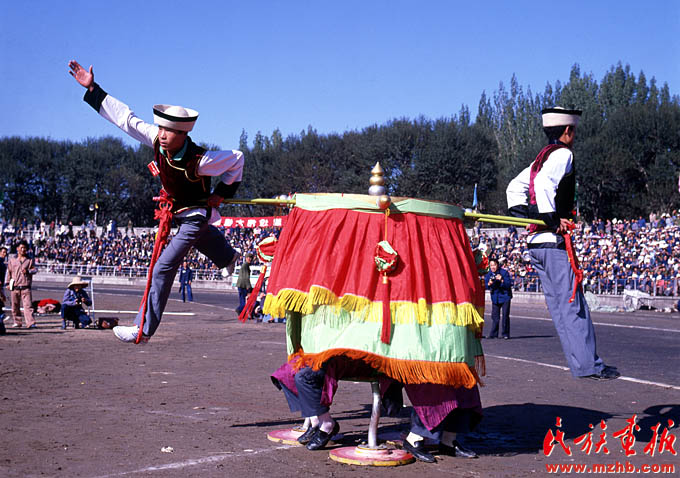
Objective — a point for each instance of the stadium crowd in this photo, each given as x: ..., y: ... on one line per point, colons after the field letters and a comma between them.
x: 614, y: 254
x: 642, y: 254
x: 66, y: 249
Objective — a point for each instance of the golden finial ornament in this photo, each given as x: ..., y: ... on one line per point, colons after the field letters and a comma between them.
x: 383, y: 201
x: 377, y: 187
x: 377, y: 181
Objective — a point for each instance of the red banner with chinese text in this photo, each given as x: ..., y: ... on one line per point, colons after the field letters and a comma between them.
x: 252, y: 222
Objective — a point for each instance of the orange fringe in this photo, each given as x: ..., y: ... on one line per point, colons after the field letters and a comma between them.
x: 456, y: 374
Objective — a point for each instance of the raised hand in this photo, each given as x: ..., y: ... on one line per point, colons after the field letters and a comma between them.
x: 82, y: 76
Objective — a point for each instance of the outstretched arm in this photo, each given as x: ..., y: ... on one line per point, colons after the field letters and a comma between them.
x: 82, y: 76
x: 110, y: 108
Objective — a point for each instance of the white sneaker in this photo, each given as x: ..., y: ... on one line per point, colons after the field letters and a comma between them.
x: 232, y: 265
x: 129, y: 333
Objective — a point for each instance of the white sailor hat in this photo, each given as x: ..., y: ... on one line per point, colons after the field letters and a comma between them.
x: 559, y: 116
x: 175, y: 117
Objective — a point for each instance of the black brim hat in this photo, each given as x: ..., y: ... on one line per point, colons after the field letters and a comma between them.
x: 559, y: 116
x: 175, y: 117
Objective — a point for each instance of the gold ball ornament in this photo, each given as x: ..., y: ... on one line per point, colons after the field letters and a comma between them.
x: 384, y: 201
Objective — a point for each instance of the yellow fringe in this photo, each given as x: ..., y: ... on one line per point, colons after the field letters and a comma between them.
x: 422, y: 313
x: 455, y: 374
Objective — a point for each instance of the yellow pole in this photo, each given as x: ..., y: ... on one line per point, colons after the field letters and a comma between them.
x: 515, y: 221
x: 259, y: 201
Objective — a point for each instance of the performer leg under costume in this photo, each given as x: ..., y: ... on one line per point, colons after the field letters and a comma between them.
x: 439, y: 413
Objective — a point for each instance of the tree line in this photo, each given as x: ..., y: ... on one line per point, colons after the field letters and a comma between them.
x: 627, y: 154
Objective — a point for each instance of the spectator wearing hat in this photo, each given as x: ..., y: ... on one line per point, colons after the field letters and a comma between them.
x: 72, y: 304
x: 545, y: 190
x: 243, y: 283
x: 20, y: 270
x: 185, y: 170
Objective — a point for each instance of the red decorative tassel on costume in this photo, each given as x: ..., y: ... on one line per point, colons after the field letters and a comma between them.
x: 164, y: 216
x: 386, y: 315
x: 573, y: 261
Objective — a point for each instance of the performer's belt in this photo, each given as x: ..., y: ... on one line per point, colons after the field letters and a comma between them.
x: 559, y: 244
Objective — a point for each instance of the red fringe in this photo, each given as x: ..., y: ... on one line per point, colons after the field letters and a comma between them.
x: 456, y: 374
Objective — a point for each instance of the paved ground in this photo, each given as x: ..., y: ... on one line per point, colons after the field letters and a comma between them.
x: 79, y: 403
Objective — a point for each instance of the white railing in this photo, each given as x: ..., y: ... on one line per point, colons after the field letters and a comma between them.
x: 134, y: 272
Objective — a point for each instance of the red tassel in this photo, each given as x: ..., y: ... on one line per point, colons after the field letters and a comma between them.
x: 164, y: 216
x: 248, y: 308
x: 573, y: 261
x: 386, y: 315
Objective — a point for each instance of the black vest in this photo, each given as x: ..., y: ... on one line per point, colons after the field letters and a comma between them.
x: 181, y: 180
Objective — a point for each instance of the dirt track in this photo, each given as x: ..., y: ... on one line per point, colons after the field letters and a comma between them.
x: 80, y: 403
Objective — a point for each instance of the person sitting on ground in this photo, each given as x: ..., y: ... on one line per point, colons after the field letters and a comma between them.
x: 72, y: 304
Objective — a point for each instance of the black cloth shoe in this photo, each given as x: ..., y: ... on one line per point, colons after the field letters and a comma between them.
x: 457, y: 450
x: 307, y: 435
x: 320, y: 439
x: 607, y: 373
x: 506, y: 337
x: 418, y: 451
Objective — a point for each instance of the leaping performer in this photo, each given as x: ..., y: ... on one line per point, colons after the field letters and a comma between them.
x: 185, y: 171
x: 546, y: 190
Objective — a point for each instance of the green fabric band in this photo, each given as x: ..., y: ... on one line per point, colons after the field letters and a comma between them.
x: 365, y: 203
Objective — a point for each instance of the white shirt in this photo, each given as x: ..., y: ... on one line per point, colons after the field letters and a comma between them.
x: 558, y: 165
x: 228, y: 165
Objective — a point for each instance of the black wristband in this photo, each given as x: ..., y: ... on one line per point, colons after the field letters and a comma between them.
x: 521, y: 210
x: 226, y: 191
x: 95, y: 97
x: 551, y: 219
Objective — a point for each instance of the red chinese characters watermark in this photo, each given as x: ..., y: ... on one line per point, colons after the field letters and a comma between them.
x: 660, y: 442
x: 587, y: 440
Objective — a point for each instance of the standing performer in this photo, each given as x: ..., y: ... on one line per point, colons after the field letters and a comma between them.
x: 185, y: 169
x: 499, y: 282
x: 545, y: 190
x: 186, y: 275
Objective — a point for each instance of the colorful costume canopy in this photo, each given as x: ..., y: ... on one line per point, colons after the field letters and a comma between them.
x: 324, y: 280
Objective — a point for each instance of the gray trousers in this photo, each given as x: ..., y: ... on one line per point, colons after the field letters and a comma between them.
x: 192, y: 233
x: 309, y: 384
x: 572, y: 320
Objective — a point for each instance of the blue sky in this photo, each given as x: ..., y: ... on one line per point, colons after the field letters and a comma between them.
x: 261, y: 65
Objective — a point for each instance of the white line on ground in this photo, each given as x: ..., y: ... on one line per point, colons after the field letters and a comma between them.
x: 560, y: 367
x: 642, y: 327
x: 106, y: 311
x: 193, y: 462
